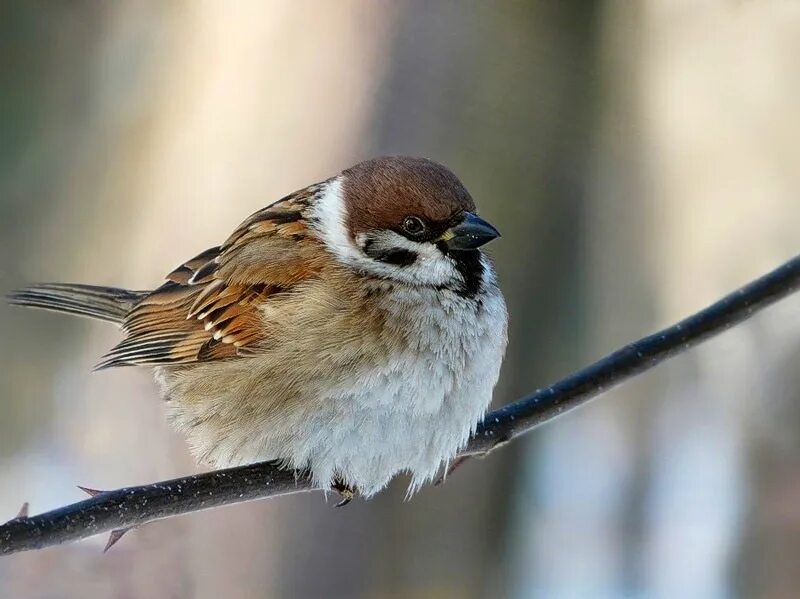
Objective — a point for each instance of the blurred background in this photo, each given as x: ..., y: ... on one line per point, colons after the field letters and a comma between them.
x: 641, y: 158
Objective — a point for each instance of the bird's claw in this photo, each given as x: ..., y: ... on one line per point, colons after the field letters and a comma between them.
x: 345, y: 492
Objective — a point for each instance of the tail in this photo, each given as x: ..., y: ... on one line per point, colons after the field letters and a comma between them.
x: 106, y: 303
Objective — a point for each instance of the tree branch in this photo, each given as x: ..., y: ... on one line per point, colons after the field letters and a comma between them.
x: 133, y: 506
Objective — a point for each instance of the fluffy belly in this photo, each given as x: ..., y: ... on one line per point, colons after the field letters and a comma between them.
x: 410, y: 417
x: 358, y: 412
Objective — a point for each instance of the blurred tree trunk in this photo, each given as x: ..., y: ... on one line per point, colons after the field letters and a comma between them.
x: 697, y: 181
x: 695, y: 192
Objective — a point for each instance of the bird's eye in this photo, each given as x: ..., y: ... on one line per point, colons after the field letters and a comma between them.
x: 413, y: 225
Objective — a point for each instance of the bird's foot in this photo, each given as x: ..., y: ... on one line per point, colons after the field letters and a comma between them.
x: 346, y: 492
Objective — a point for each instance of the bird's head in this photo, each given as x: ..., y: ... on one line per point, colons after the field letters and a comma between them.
x: 405, y: 219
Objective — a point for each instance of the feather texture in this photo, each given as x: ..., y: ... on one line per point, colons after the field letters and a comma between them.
x: 94, y: 301
x: 210, y: 306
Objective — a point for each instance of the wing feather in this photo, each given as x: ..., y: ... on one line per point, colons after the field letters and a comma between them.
x: 210, y: 306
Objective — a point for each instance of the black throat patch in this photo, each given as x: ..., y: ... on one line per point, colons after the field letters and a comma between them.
x: 469, y: 265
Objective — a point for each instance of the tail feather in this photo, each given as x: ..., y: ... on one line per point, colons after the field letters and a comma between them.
x: 105, y: 303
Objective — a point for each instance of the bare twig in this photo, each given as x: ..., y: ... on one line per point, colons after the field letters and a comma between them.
x: 123, y: 509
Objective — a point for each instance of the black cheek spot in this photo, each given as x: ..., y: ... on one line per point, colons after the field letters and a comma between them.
x: 398, y: 257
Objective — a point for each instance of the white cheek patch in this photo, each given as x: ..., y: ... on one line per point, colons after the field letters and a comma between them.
x: 431, y: 267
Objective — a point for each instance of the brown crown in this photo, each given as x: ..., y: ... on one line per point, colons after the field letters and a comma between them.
x: 380, y: 193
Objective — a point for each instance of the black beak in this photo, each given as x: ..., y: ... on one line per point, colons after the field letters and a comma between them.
x: 470, y: 234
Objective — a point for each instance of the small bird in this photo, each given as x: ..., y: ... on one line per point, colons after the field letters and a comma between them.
x: 353, y: 329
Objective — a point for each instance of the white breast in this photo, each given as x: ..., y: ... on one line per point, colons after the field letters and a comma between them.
x: 417, y: 411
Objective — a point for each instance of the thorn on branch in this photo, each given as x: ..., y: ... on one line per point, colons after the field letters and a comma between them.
x: 115, y: 536
x: 90, y: 492
x: 23, y: 511
x: 117, y: 533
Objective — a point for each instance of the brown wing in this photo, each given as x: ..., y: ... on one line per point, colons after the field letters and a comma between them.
x: 209, y: 308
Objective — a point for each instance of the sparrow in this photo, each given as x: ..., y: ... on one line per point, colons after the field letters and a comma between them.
x: 352, y: 330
